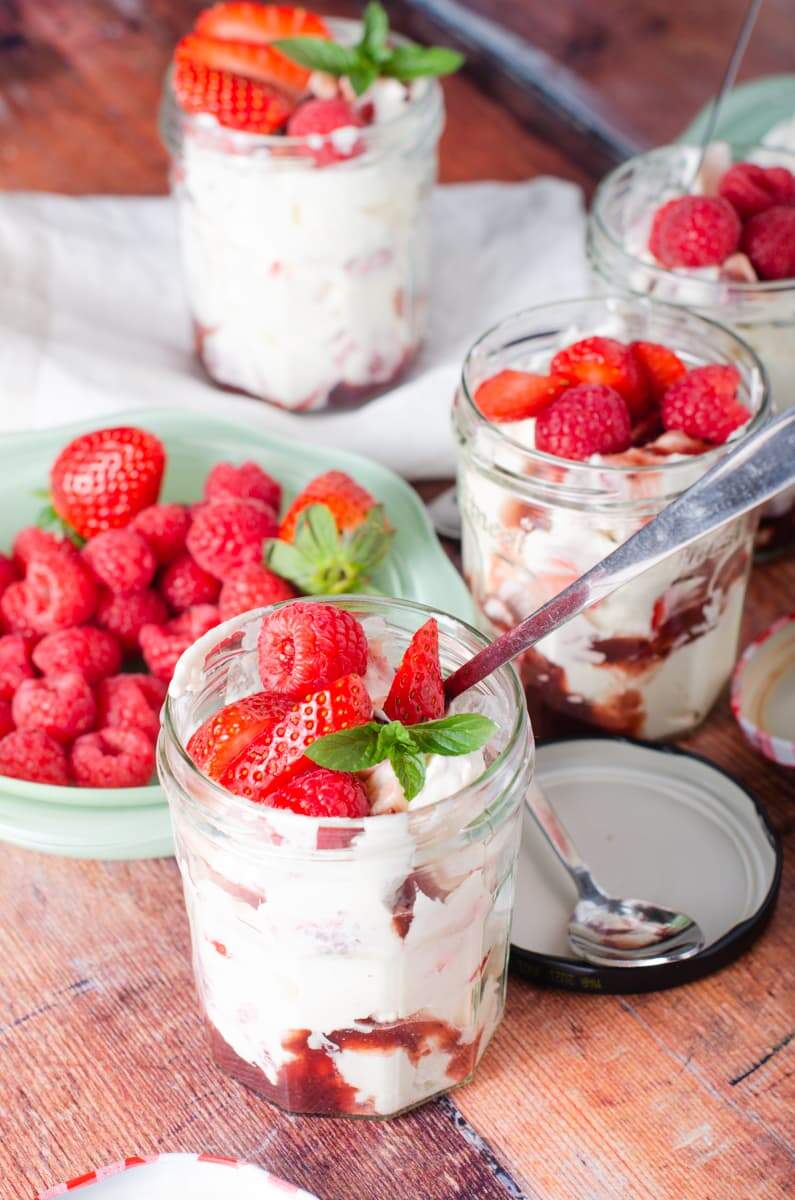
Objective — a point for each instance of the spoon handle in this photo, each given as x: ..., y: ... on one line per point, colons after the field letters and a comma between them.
x: 729, y: 76
x: 761, y: 465
x: 550, y: 825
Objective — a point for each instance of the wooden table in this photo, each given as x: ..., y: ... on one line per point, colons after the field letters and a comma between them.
x: 685, y: 1094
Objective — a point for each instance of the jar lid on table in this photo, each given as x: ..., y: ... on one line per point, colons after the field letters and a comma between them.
x: 763, y: 692
x: 201, y: 1176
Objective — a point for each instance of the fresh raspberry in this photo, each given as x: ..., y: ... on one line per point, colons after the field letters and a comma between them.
x: 93, y: 653
x: 304, y: 647
x: 113, y: 758
x: 751, y: 189
x: 247, y: 481
x: 588, y: 419
x: 348, y: 502
x: 278, y: 754
x: 131, y: 702
x: 322, y: 793
x: 607, y: 362
x: 229, y: 731
x: 517, y: 395
x: 227, y: 534
x: 31, y: 754
x: 184, y: 583
x: 250, y: 587
x: 58, y: 592
x: 694, y: 231
x: 769, y: 242
x: 8, y: 573
x: 704, y: 404
x: 164, y: 527
x: 417, y: 691
x: 316, y: 119
x: 121, y: 559
x: 124, y: 615
x: 60, y: 705
x: 33, y: 542
x: 6, y: 719
x: 14, y: 606
x: 15, y: 664
x: 660, y: 366
x: 162, y: 645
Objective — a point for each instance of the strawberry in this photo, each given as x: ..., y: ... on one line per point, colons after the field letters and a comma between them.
x: 235, y: 102
x: 228, y: 732
x: 517, y: 395
x: 607, y: 362
x: 275, y: 757
x: 585, y: 420
x: 417, y: 691
x: 237, y: 64
x: 101, y: 480
x: 259, y: 23
x: 303, y: 647
x: 251, y: 587
x: 348, y: 502
x: 247, y: 481
x: 322, y: 793
x: 659, y: 365
x: 227, y: 534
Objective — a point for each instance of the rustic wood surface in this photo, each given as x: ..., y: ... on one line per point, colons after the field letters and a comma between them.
x: 687, y: 1094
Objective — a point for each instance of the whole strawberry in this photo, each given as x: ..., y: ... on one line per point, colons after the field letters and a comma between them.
x: 101, y: 480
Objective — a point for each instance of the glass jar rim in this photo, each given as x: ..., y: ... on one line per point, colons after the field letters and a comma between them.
x: 739, y: 289
x: 238, y: 807
x: 617, y: 470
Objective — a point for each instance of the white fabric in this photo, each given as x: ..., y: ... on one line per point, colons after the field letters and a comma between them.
x: 94, y: 319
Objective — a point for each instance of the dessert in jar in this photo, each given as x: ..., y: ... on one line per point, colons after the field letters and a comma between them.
x: 577, y: 422
x: 303, y: 198
x: 720, y: 241
x: 347, y: 850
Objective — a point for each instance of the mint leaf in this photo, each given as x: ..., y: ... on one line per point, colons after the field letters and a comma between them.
x: 350, y: 750
x: 409, y: 769
x: 376, y: 32
x: 363, y: 76
x: 393, y: 736
x: 413, y: 62
x: 460, y: 734
x: 318, y: 54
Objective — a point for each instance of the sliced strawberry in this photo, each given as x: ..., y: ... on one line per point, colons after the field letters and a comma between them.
x: 608, y: 362
x: 417, y: 691
x: 517, y: 395
x: 261, y: 23
x: 349, y: 503
x: 277, y: 755
x: 227, y: 732
x: 262, y: 63
x: 660, y: 366
x: 323, y: 793
x: 235, y: 102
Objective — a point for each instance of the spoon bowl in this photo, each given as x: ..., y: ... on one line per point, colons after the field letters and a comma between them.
x: 612, y: 932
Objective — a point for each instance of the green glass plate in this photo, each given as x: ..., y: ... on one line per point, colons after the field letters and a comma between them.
x: 749, y: 111
x: 133, y: 822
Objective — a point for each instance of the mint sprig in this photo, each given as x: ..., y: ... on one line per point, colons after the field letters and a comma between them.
x: 405, y: 746
x: 321, y: 561
x: 372, y: 55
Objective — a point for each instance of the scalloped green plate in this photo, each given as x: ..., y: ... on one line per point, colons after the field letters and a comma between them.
x: 127, y: 823
x: 749, y: 111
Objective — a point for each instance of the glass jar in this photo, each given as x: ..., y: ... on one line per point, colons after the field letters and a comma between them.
x: 308, y: 283
x: 651, y: 659
x: 346, y: 966
x: 762, y: 313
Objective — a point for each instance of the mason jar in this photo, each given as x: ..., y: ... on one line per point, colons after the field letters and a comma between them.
x: 763, y: 313
x: 651, y: 659
x: 345, y: 966
x: 308, y: 283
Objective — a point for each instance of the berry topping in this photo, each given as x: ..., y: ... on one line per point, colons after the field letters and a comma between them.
x: 751, y: 189
x: 304, y: 647
x: 247, y: 481
x: 58, y: 591
x: 124, y: 615
x: 8, y: 573
x: 251, y: 587
x: 585, y: 420
x: 33, y: 542
x: 769, y: 242
x: 259, y: 23
x: 262, y: 69
x: 121, y: 559
x: 317, y: 120
x: 6, y: 719
x: 694, y: 231
x: 349, y: 503
x: 93, y: 653
x: 31, y: 754
x: 15, y: 664
x: 659, y: 365
x: 184, y: 583
x: 228, y: 732
x: 417, y: 691
x: 131, y: 702
x: 228, y: 534
x: 113, y: 758
x: 164, y: 527
x: 62, y: 706
x: 704, y: 404
x: 101, y: 480
x: 604, y: 361
x: 517, y: 395
x: 322, y: 793
x: 235, y: 102
x: 163, y: 645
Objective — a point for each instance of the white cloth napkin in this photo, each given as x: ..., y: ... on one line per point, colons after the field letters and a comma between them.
x: 94, y: 318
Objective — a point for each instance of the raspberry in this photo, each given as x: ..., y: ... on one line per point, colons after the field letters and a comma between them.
x: 588, y: 419
x: 517, y: 395
x: 31, y: 754
x: 250, y: 587
x: 704, y: 404
x: 93, y: 653
x: 247, y: 481
x: 33, y: 542
x: 121, y: 559
x: 164, y: 527
x: 608, y: 362
x: 304, y: 647
x: 8, y: 573
x: 227, y: 534
x: 15, y: 664
x: 124, y: 615
x: 113, y: 758
x: 184, y: 583
x: 322, y: 793
x: 62, y: 706
x: 6, y: 720
x: 58, y: 592
x: 769, y: 242
x: 751, y: 189
x: 660, y: 366
x: 162, y: 645
x: 14, y: 604
x: 320, y: 118
x: 131, y: 702
x: 694, y: 231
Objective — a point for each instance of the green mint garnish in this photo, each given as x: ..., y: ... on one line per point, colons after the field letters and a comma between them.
x: 372, y: 55
x: 405, y: 746
x: 321, y: 561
